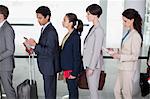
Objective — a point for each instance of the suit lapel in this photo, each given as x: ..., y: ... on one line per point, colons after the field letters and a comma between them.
x: 127, y: 38
x: 48, y: 26
x: 1, y: 29
x: 43, y: 31
x: 91, y: 32
x: 69, y: 37
x: 88, y: 33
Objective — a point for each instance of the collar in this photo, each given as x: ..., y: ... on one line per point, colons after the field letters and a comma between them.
x: 1, y: 24
x: 44, y: 26
x: 97, y: 25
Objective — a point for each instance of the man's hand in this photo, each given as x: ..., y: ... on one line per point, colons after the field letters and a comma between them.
x: 28, y: 48
x: 31, y: 42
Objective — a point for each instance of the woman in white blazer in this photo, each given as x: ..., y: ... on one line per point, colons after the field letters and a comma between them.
x: 129, y: 67
x: 92, y: 54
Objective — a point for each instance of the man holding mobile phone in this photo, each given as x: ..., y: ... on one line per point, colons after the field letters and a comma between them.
x: 29, y: 48
x: 47, y: 50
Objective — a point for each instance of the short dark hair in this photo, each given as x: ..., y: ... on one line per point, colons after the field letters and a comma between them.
x: 44, y: 10
x: 94, y: 9
x: 4, y: 10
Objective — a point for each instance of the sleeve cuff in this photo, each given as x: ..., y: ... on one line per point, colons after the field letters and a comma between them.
x: 73, y: 74
x: 33, y: 47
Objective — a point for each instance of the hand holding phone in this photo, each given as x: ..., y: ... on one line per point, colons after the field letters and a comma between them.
x: 25, y: 42
x: 110, y: 52
x: 28, y: 48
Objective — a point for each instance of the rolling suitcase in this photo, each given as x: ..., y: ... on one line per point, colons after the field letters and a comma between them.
x: 28, y: 88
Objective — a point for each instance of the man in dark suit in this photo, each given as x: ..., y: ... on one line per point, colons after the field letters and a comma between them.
x: 7, y: 48
x: 47, y: 50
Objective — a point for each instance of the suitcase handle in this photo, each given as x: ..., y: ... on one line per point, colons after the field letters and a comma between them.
x: 31, y: 68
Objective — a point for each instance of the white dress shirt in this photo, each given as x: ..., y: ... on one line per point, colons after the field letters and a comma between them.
x: 44, y: 26
x: 1, y: 23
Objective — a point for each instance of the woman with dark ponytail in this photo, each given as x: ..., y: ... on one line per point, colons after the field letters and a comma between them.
x: 137, y: 24
x: 71, y: 53
x: 127, y: 83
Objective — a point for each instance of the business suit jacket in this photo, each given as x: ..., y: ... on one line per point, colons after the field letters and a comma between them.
x: 130, y: 51
x: 92, y: 54
x: 129, y: 67
x: 47, y: 51
x: 71, y: 53
x: 7, y: 47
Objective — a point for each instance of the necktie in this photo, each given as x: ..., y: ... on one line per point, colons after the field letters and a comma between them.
x: 42, y: 29
x: 88, y: 33
x: 124, y: 37
x: 41, y: 33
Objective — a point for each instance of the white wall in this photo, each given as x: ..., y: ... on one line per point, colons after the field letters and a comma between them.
x: 23, y: 11
x: 114, y: 23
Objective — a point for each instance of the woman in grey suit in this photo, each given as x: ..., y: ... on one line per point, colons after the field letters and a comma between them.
x: 129, y: 69
x: 92, y: 54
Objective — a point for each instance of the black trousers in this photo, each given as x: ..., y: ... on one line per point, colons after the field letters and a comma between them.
x: 50, y: 86
x: 72, y: 88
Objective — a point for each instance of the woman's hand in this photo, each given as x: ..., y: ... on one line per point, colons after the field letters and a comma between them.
x: 71, y: 77
x: 116, y: 56
x: 89, y: 72
x: 113, y: 51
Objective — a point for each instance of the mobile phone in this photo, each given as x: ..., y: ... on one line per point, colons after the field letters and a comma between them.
x: 110, y: 52
x: 25, y: 38
x: 105, y: 49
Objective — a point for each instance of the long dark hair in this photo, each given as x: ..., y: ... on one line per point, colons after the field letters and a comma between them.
x: 73, y: 18
x: 137, y: 24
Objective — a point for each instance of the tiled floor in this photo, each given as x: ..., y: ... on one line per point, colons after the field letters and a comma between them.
x: 21, y: 73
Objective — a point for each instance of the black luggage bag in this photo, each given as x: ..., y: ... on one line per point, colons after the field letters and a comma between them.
x: 144, y: 77
x: 145, y: 86
x: 28, y: 88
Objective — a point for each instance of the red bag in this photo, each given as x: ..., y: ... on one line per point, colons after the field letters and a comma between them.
x: 67, y: 73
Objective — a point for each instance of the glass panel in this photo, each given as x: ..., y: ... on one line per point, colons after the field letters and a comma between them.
x: 146, y: 35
